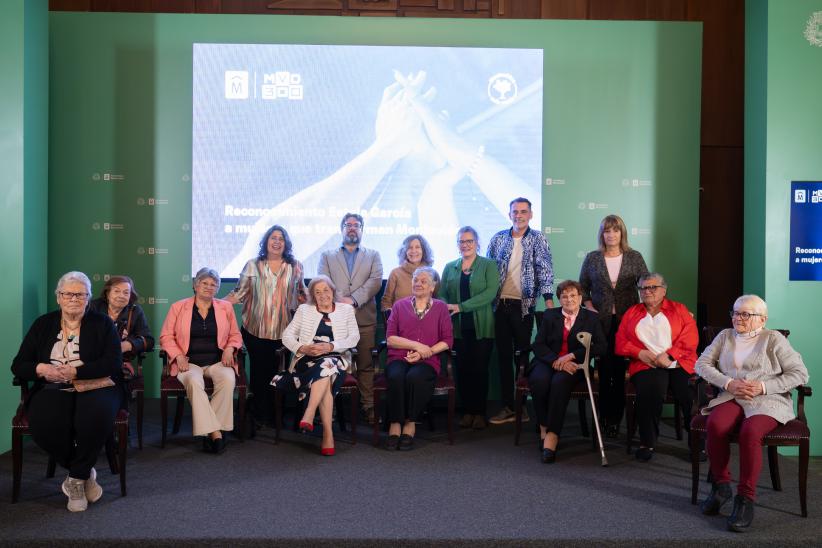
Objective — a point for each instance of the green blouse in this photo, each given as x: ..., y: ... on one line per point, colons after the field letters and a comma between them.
x: 483, y: 284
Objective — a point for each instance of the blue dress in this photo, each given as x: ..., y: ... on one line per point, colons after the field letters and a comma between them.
x: 312, y: 368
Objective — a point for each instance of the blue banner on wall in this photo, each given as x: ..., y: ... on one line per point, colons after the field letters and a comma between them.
x: 806, y: 231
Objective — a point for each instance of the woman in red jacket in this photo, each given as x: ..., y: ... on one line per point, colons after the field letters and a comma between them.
x: 659, y: 336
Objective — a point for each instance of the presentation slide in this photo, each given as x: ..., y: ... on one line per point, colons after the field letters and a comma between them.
x: 415, y: 139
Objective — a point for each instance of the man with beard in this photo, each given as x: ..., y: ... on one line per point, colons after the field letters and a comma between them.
x: 357, y: 273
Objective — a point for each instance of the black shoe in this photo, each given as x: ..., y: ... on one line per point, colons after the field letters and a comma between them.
x: 406, y: 443
x: 392, y: 442
x: 218, y: 445
x: 548, y: 456
x: 612, y: 431
x: 720, y: 494
x: 208, y: 446
x: 644, y: 454
x: 742, y: 515
x: 703, y: 456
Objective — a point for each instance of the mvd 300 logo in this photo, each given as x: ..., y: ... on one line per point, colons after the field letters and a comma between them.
x: 282, y: 85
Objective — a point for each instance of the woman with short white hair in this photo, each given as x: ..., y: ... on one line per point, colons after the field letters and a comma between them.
x: 756, y: 368
x: 71, y: 420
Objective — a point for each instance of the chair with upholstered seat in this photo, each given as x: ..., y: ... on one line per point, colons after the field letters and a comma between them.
x: 171, y: 386
x: 443, y: 386
x: 20, y: 427
x: 794, y: 433
x: 350, y: 387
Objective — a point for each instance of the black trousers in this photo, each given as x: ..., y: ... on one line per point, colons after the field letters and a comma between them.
x: 73, y: 427
x: 513, y: 332
x: 611, y: 370
x: 262, y: 356
x: 651, y: 388
x: 551, y: 391
x: 473, y: 357
x: 410, y: 387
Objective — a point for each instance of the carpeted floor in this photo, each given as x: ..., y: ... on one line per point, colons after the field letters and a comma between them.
x: 482, y: 491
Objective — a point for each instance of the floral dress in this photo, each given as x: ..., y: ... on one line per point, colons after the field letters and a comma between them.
x: 307, y: 369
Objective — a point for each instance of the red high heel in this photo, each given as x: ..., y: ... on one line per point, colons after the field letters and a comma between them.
x: 306, y: 426
x: 327, y: 451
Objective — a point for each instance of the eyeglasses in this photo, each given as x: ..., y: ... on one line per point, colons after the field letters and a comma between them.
x: 73, y: 296
x: 465, y: 242
x: 744, y: 316
x: 352, y: 225
x: 649, y: 288
x: 569, y: 296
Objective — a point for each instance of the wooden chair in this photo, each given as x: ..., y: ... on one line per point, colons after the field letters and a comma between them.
x: 136, y: 389
x: 349, y: 387
x: 522, y: 391
x: 171, y: 386
x: 443, y: 386
x: 794, y: 433
x: 20, y: 428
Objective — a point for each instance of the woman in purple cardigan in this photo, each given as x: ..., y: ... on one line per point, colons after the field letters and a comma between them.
x: 419, y: 328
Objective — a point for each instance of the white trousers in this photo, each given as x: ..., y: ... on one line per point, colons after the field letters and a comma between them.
x: 218, y: 414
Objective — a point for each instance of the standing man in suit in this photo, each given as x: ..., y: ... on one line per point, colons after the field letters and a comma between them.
x: 357, y: 273
x: 525, y: 273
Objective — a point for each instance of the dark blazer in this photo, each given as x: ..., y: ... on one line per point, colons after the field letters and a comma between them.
x: 548, y: 342
x: 597, y: 288
x: 99, y: 348
x: 137, y: 331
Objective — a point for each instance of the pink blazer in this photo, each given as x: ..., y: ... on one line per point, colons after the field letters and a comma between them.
x: 176, y: 333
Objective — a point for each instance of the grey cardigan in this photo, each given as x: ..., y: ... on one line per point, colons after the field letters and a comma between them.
x: 773, y: 362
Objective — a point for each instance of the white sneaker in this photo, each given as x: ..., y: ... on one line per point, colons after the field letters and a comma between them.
x: 74, y: 489
x: 93, y: 489
x: 505, y: 415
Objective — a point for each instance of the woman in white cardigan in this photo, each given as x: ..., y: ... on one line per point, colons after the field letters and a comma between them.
x: 320, y: 336
x: 756, y: 368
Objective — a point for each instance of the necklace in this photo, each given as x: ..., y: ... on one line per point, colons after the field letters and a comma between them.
x: 70, y: 330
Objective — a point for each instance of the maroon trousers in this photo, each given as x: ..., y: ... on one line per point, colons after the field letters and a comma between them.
x: 722, y: 422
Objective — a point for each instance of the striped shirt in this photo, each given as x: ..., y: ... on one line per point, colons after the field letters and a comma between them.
x: 269, y: 298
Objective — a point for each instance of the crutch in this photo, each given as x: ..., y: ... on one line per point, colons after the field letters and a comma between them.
x: 585, y: 338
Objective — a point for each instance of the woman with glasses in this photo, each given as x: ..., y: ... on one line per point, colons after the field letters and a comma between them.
x: 756, y: 368
x: 270, y: 289
x: 118, y: 301
x: 659, y: 338
x: 608, y: 278
x: 414, y: 253
x: 72, y: 356
x: 469, y: 286
x: 200, y: 337
x: 557, y: 365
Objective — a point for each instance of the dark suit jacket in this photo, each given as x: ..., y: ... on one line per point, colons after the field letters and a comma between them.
x: 548, y: 343
x: 597, y: 288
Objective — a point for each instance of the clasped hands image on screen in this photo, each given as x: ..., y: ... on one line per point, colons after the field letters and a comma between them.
x: 415, y: 139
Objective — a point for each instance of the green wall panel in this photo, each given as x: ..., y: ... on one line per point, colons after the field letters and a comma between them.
x: 621, y: 134
x: 786, y: 79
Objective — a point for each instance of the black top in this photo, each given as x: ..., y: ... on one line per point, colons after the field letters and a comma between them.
x: 548, y: 341
x: 99, y: 348
x: 466, y: 318
x: 131, y: 326
x: 203, y: 349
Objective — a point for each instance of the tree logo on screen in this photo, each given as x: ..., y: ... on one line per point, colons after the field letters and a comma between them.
x: 813, y: 30
x: 236, y: 84
x: 502, y: 88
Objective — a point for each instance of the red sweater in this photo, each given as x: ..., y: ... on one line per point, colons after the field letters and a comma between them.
x: 684, y: 336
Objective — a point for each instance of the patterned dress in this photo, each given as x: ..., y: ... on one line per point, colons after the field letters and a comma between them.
x: 307, y: 369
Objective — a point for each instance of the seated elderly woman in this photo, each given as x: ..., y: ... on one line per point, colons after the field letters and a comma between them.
x: 118, y: 301
x: 757, y: 369
x: 71, y: 420
x: 418, y: 329
x: 555, y: 369
x: 321, y: 337
x: 200, y: 337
